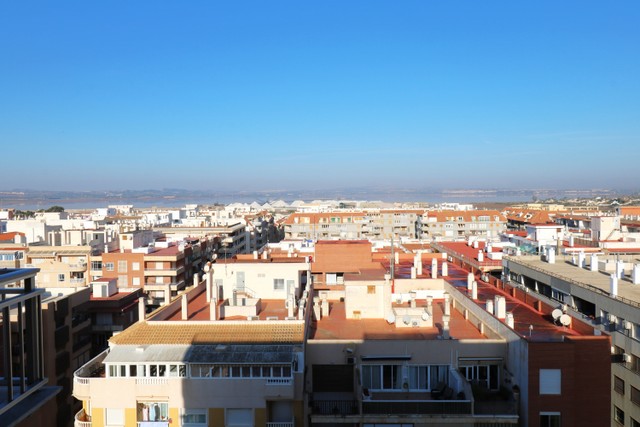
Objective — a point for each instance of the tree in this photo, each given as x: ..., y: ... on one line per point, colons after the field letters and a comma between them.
x: 55, y: 209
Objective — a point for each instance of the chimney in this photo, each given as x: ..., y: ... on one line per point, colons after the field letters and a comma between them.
x: 510, y: 320
x: 142, y: 311
x: 235, y: 298
x: 185, y: 307
x: 213, y: 309
x: 474, y: 290
x: 413, y: 272
x: 552, y: 256
x: 635, y: 274
x: 581, y: 259
x: 195, y: 280
x: 475, y: 244
x: 430, y: 305
x: 434, y: 268
x: 447, y: 305
x: 620, y: 269
x: 469, y: 280
x: 208, y: 288
x: 317, y: 312
x: 412, y: 301
x: 255, y: 254
x: 500, y: 307
x: 489, y: 304
x: 480, y: 256
x: 290, y: 304
x: 613, y: 286
x: 167, y: 294
x: 445, y: 269
x: 419, y: 270
x: 571, y: 240
x: 397, y: 258
x: 594, y: 262
x: 445, y: 327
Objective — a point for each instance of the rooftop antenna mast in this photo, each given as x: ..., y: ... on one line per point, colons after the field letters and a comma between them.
x: 392, y: 265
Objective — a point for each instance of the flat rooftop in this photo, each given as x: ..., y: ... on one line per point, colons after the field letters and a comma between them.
x: 336, y: 326
x: 565, y: 270
x: 528, y: 322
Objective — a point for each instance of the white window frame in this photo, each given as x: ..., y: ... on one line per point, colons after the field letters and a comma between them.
x: 185, y: 412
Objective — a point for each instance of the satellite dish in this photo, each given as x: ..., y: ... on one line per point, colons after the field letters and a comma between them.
x: 406, y: 320
x: 556, y: 314
x: 565, y: 319
x: 391, y: 319
x: 425, y: 316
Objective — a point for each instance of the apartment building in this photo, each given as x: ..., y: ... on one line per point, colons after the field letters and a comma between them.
x: 451, y: 225
x: 26, y: 399
x: 202, y: 360
x: 603, y: 290
x: 66, y: 343
x: 435, y: 345
x: 326, y: 225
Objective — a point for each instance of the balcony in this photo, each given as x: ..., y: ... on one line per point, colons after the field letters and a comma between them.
x: 153, y: 423
x: 82, y: 419
x: 91, y: 371
x: 163, y: 271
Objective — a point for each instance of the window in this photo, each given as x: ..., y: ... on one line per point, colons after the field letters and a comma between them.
x: 135, y: 266
x: 635, y: 423
x: 152, y: 411
x: 550, y: 419
x: 108, y: 266
x: 122, y: 266
x: 278, y: 284
x: 239, y: 417
x: 194, y: 417
x: 113, y: 417
x: 618, y: 384
x: 96, y: 265
x: 550, y: 381
x: 635, y: 395
x: 135, y: 281
x: 371, y: 289
x: 60, y: 277
x: 123, y: 281
x: 618, y: 415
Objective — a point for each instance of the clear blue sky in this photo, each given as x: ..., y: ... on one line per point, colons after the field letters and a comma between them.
x: 289, y: 95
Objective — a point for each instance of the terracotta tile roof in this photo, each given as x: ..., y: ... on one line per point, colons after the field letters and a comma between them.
x: 146, y: 333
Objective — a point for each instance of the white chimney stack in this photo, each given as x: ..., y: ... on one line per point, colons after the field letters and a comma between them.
x: 635, y: 274
x: 551, y: 259
x: 474, y: 290
x: 581, y: 259
x: 613, y: 286
x: 397, y: 257
x: 413, y: 272
x: 620, y: 269
x: 142, y: 310
x: 213, y: 309
x: 430, y: 305
x: 445, y: 269
x: 469, y: 281
x: 500, y: 306
x: 447, y: 305
x: 480, y: 256
x: 489, y: 304
x: 510, y: 320
x: 419, y: 271
x: 594, y: 262
x: 434, y: 268
x: 475, y: 244
x: 185, y: 307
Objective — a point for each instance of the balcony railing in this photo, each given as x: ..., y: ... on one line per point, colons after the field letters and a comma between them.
x: 335, y: 407
x: 279, y: 381
x: 430, y: 407
x: 280, y: 424
x: 82, y: 419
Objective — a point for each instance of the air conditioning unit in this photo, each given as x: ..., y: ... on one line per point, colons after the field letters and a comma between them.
x: 628, y: 325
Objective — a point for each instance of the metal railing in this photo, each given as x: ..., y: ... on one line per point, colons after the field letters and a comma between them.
x: 335, y: 407
x: 430, y: 407
x: 280, y: 424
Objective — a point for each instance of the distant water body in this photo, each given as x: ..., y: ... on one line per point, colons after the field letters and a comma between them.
x: 175, y: 202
